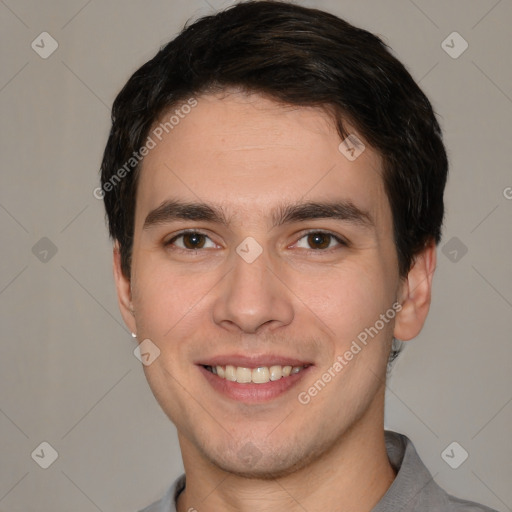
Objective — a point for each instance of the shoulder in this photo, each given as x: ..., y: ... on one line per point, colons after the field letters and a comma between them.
x: 414, y: 488
x: 459, y: 505
x: 432, y: 497
x: 168, y: 501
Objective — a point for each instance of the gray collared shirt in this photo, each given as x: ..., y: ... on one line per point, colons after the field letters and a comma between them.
x: 413, y: 489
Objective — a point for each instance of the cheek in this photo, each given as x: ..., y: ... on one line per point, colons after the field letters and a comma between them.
x: 163, y: 295
x: 347, y: 299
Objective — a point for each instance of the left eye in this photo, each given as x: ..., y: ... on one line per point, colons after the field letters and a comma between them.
x: 319, y: 241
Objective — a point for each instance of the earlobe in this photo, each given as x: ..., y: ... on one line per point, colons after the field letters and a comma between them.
x: 123, y: 288
x: 415, y: 294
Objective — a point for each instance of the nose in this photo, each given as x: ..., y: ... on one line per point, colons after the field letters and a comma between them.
x: 252, y: 298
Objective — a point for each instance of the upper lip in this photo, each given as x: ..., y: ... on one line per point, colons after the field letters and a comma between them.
x: 253, y: 361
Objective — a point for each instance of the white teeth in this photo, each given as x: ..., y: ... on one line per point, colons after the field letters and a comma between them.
x: 275, y: 372
x: 260, y: 375
x: 230, y: 373
x: 243, y: 374
x: 286, y: 371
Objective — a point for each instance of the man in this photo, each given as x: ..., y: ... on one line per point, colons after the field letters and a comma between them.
x: 274, y: 187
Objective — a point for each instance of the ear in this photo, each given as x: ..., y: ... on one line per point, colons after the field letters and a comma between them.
x: 415, y: 294
x: 124, y: 292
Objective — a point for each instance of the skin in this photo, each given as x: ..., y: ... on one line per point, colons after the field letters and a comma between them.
x: 250, y: 156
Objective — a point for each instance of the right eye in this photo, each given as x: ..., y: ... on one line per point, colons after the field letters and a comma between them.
x: 191, y: 241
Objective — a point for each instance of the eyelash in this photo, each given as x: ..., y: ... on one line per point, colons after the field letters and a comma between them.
x: 342, y: 242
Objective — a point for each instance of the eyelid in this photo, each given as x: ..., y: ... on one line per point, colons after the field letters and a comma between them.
x: 183, y: 232
x: 342, y: 241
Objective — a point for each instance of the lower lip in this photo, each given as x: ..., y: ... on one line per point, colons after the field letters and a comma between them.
x: 251, y: 392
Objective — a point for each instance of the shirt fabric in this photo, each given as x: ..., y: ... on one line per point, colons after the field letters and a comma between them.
x: 413, y: 489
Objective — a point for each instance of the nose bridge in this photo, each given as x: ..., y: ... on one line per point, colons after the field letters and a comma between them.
x: 252, y: 295
x: 247, y: 277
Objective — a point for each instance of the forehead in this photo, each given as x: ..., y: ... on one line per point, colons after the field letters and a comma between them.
x: 247, y: 153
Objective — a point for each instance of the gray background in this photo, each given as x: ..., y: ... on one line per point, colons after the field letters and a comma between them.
x: 68, y: 373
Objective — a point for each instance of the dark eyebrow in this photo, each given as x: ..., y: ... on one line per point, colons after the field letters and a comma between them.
x: 340, y: 210
x: 171, y: 210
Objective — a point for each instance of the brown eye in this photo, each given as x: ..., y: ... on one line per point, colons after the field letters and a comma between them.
x: 191, y: 241
x: 194, y: 240
x: 319, y: 240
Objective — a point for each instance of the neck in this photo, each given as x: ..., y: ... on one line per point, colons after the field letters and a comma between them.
x: 352, y: 476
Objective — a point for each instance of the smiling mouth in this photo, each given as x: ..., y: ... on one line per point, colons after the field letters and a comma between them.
x: 259, y: 375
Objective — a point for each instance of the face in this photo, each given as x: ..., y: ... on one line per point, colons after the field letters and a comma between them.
x: 259, y: 246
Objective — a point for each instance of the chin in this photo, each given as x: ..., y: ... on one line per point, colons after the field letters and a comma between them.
x: 266, y: 468
x: 265, y: 463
